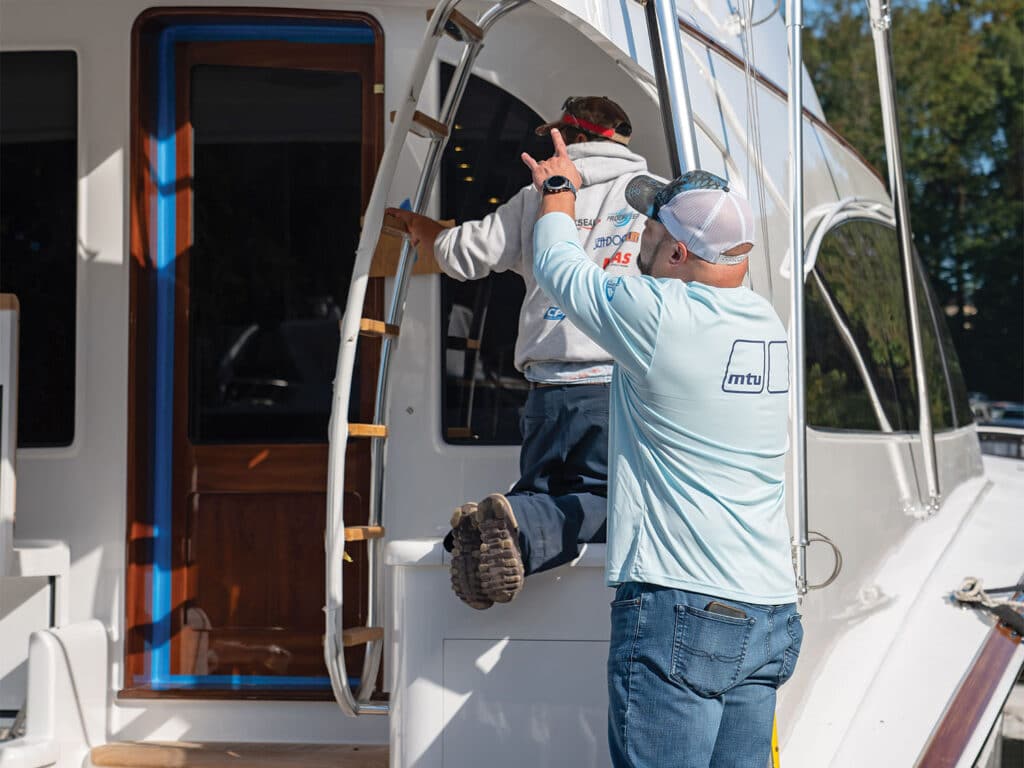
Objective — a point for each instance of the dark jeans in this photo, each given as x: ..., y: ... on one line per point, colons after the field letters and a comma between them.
x: 560, y: 500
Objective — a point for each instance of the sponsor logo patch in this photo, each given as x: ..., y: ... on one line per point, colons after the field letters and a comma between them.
x: 622, y: 217
x: 611, y: 286
x: 620, y: 259
x: 587, y: 223
x: 606, y: 241
x: 554, y: 313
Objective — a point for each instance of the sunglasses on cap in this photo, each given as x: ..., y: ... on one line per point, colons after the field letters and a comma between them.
x: 685, y: 183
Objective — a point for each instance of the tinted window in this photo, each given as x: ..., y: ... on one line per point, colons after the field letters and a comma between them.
x: 947, y: 390
x: 38, y: 190
x: 272, y: 216
x: 859, y: 362
x: 483, y: 392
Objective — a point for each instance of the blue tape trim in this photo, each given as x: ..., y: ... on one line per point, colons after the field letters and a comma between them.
x: 158, y: 652
x: 246, y: 681
x: 352, y: 33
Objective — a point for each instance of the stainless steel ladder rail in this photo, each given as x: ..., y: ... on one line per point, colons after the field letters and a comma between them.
x: 443, y: 19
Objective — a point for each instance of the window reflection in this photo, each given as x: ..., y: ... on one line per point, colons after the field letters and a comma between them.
x: 276, y: 203
x: 860, y: 372
x: 483, y: 393
x: 947, y: 391
x: 859, y: 361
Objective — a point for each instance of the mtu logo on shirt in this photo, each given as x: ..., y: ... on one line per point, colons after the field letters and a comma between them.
x: 744, y: 373
x: 752, y: 362
x: 554, y: 313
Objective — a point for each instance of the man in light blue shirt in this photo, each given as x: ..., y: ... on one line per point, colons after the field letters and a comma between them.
x: 704, y: 622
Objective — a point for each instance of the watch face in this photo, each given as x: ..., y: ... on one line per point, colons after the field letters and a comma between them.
x: 557, y: 184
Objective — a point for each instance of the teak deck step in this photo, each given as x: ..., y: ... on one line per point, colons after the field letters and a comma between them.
x: 184, y: 754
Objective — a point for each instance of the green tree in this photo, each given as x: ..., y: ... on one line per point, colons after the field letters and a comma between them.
x: 960, y: 96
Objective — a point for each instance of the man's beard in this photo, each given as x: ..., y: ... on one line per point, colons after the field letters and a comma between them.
x: 643, y: 266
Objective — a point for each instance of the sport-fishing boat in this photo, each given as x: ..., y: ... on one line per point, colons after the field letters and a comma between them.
x: 237, y: 410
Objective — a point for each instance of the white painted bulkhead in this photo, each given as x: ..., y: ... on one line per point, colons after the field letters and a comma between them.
x: 864, y: 489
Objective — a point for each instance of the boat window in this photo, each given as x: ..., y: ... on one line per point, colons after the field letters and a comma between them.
x: 947, y: 390
x: 859, y: 363
x: 38, y: 186
x: 483, y: 393
x: 267, y: 285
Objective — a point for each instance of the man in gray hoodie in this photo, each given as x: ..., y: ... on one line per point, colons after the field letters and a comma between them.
x: 559, y: 501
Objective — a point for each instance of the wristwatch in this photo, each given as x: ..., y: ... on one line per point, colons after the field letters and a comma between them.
x: 555, y: 184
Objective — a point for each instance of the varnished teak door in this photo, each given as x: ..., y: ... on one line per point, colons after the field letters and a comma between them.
x: 249, y: 502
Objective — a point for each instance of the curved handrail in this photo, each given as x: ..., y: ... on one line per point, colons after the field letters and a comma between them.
x: 349, y: 334
x: 396, y: 310
x: 338, y: 432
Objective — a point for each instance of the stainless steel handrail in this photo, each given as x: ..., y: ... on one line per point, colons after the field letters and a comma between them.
x: 673, y: 91
x: 360, y: 703
x: 797, y: 493
x: 338, y: 432
x: 396, y: 310
x: 881, y: 23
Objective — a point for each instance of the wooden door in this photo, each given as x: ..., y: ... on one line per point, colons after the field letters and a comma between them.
x: 276, y: 145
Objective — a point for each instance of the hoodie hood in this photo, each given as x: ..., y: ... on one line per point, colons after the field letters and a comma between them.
x: 602, y: 161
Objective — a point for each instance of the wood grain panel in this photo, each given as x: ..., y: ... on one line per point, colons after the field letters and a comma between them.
x: 258, y: 581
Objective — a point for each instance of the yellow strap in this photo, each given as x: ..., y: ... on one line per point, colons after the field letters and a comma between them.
x: 775, y: 743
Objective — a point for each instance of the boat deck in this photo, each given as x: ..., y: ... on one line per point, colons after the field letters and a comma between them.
x: 181, y: 754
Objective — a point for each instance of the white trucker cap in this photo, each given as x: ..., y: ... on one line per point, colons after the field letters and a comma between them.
x: 700, y: 211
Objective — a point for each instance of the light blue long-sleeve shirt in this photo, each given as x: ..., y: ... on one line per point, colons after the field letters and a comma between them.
x: 698, y: 411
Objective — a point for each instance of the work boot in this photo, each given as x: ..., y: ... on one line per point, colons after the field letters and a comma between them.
x: 501, y: 562
x: 465, y: 567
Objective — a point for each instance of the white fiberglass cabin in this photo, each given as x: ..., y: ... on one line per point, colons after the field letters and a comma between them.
x: 183, y: 191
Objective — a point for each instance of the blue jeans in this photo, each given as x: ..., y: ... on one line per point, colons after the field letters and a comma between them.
x: 693, y: 689
x: 560, y: 500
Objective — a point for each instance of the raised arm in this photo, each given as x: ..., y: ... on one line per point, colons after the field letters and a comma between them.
x: 622, y: 314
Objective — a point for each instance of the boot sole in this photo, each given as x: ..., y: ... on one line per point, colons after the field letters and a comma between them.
x: 501, y: 564
x: 465, y: 564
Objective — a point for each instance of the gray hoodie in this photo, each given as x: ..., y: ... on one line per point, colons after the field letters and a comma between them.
x: 609, y: 230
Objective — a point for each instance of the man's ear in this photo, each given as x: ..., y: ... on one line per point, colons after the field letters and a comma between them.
x: 680, y: 254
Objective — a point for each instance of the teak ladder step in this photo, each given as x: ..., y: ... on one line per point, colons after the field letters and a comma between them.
x: 363, y: 532
x: 460, y: 28
x: 425, y: 126
x: 361, y: 635
x: 368, y: 327
x: 367, y: 430
x: 393, y: 225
